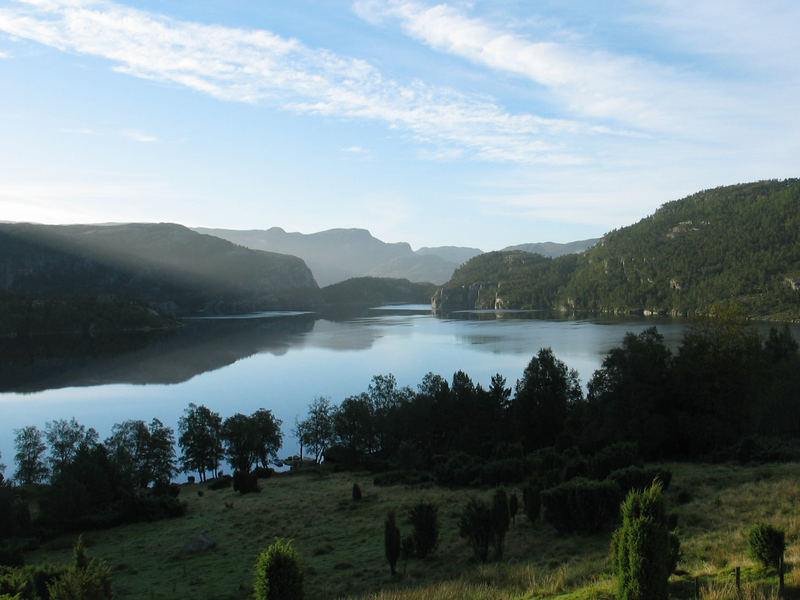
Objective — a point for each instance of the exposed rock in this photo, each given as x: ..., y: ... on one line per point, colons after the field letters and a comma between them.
x: 200, y: 542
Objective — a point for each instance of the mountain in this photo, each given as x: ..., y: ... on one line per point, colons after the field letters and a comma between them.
x: 737, y: 243
x: 335, y: 255
x: 453, y: 254
x: 553, y: 249
x: 168, y: 266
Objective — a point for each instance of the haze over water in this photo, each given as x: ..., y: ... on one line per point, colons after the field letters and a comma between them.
x: 282, y: 363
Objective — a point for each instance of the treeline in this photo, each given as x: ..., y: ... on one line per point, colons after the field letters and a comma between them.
x: 725, y: 393
x: 24, y: 316
x: 80, y: 483
x: 740, y: 242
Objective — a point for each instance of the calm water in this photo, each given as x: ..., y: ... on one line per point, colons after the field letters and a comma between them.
x: 282, y: 362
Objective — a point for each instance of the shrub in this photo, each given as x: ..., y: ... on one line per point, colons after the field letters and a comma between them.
x: 475, y: 524
x: 532, y: 502
x: 86, y: 579
x: 581, y: 505
x: 766, y: 544
x: 278, y: 575
x: 391, y: 541
x: 639, y: 478
x: 356, y: 492
x: 424, y: 520
x: 613, y: 457
x: 263, y: 472
x: 644, y: 552
x: 245, y: 482
x: 500, y: 520
x: 29, y: 582
x: 513, y: 506
x: 221, y: 482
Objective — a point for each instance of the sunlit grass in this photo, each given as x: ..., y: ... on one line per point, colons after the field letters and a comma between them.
x: 341, y: 542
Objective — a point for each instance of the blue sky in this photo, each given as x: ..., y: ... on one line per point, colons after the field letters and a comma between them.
x: 466, y: 123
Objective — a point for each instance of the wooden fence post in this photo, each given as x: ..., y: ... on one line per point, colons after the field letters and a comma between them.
x: 738, y: 582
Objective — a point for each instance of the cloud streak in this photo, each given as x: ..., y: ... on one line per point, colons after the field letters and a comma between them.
x: 257, y: 66
x: 623, y: 90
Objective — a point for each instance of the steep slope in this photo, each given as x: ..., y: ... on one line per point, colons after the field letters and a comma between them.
x: 738, y: 243
x: 164, y: 264
x: 332, y: 255
x: 425, y: 268
x: 335, y: 255
x: 373, y: 291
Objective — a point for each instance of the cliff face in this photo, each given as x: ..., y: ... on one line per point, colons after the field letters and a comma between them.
x: 165, y: 264
x: 476, y: 296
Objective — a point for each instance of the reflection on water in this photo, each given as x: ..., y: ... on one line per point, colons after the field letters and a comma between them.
x: 240, y: 365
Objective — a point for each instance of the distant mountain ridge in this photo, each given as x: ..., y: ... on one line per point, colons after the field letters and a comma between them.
x: 554, y: 249
x: 167, y: 265
x: 739, y: 243
x: 335, y: 255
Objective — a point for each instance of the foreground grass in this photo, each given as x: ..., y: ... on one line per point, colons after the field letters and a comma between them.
x: 341, y: 542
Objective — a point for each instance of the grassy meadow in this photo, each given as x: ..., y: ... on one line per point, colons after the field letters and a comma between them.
x: 341, y: 541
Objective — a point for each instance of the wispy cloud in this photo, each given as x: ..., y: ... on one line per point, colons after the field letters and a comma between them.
x: 257, y: 66
x: 591, y: 82
x: 355, y: 150
x: 138, y: 136
x: 4, y: 55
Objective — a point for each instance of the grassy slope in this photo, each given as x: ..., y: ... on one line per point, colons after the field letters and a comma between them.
x: 341, y: 542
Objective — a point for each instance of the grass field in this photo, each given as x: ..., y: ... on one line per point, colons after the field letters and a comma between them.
x: 341, y: 542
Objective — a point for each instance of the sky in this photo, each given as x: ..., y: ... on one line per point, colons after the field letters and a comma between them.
x: 480, y: 124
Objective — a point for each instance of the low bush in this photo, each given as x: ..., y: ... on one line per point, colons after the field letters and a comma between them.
x: 475, y: 524
x: 424, y: 520
x: 644, y: 552
x: 402, y: 478
x: 28, y: 582
x: 639, y: 478
x: 613, y: 457
x: 245, y: 482
x: 391, y: 541
x: 532, y: 502
x: 356, y: 492
x: 766, y: 544
x: 220, y: 483
x: 582, y: 505
x: 278, y: 575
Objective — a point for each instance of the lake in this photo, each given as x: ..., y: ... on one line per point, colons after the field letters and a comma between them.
x: 282, y: 361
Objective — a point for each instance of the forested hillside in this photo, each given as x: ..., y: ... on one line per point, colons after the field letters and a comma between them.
x: 168, y: 266
x: 739, y: 243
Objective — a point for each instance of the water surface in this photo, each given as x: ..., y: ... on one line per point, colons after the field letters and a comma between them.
x: 283, y: 361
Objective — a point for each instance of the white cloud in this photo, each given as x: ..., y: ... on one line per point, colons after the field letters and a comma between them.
x: 594, y: 83
x: 138, y: 136
x: 355, y: 150
x: 4, y: 55
x: 257, y: 66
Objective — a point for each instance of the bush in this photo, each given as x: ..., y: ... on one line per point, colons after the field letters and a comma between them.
x: 513, y: 506
x: 613, y: 457
x: 278, y: 575
x: 29, y: 582
x: 500, y: 519
x: 766, y: 544
x: 391, y: 541
x: 220, y: 483
x: 639, y: 478
x: 581, y: 505
x: 532, y: 502
x: 644, y: 552
x: 263, y: 472
x: 245, y: 482
x: 475, y: 524
x: 85, y: 580
x: 356, y: 492
x: 402, y: 477
x: 423, y: 519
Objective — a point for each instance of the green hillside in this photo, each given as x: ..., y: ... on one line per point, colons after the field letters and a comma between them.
x: 739, y: 243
